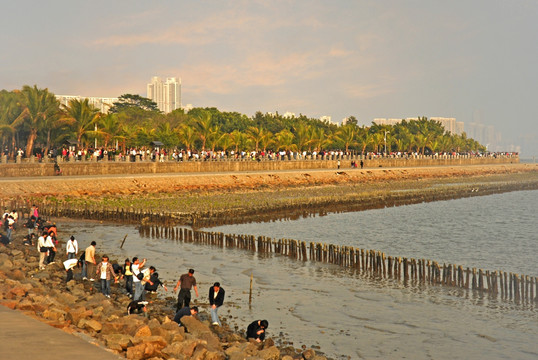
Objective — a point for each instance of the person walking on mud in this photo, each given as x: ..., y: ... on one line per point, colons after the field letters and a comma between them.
x: 185, y: 283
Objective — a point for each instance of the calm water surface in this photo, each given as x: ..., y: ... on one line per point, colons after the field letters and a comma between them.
x: 349, y: 315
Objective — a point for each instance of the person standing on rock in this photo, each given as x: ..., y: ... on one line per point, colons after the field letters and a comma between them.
x: 89, y: 261
x: 256, y: 330
x: 71, y: 248
x: 105, y: 273
x: 49, y: 243
x: 216, y: 299
x: 137, y: 277
x: 186, y: 282
x: 128, y: 275
x: 42, y: 250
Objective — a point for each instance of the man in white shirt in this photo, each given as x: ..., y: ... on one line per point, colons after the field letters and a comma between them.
x: 139, y: 287
x: 72, y: 248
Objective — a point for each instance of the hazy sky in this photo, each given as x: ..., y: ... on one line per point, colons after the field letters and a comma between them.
x: 472, y: 60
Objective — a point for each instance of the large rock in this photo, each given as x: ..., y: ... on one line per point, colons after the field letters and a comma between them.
x: 271, y: 353
x: 142, y: 331
x: 74, y: 315
x: 201, y: 331
x: 93, y: 325
x: 117, y: 342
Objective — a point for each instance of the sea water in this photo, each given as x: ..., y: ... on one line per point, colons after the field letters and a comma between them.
x: 348, y: 315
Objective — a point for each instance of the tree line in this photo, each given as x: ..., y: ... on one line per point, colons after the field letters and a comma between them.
x: 33, y: 119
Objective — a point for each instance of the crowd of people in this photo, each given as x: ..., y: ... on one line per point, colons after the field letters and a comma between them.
x: 137, y: 279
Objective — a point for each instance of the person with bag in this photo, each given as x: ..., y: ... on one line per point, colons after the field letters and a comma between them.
x: 71, y: 248
x: 43, y: 250
x: 138, y: 275
x: 49, y: 243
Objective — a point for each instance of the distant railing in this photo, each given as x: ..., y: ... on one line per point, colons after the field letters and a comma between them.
x: 274, y: 157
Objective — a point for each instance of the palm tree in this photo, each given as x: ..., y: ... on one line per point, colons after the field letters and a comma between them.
x: 204, y: 126
x: 109, y: 128
x: 347, y: 135
x: 239, y: 140
x: 365, y: 139
x: 258, y: 135
x: 302, y: 136
x: 187, y: 135
x: 82, y: 117
x: 318, y: 139
x: 284, y: 141
x: 39, y: 104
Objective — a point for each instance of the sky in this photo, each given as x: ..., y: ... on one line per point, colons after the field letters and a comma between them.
x: 476, y: 61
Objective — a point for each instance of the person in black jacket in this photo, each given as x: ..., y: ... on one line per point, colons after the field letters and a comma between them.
x: 154, y: 281
x: 256, y: 330
x: 216, y: 299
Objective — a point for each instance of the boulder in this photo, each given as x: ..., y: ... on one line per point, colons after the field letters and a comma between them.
x: 141, y: 331
x: 74, y: 315
x: 93, y: 325
x: 271, y: 353
x: 201, y: 331
x: 117, y: 342
x: 308, y: 354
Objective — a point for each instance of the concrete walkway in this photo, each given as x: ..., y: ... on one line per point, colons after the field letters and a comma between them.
x: 23, y: 337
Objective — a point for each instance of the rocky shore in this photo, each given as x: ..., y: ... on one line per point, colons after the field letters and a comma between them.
x: 79, y: 307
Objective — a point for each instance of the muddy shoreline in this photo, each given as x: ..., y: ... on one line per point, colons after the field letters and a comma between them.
x: 206, y: 200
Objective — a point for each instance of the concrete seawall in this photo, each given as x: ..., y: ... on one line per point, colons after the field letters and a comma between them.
x: 148, y: 167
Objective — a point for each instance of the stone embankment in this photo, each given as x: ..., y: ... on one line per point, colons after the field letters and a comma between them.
x: 79, y: 307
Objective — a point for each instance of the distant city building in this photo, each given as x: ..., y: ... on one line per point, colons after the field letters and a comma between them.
x: 381, y: 121
x: 288, y: 115
x: 326, y: 119
x: 101, y: 103
x: 166, y: 94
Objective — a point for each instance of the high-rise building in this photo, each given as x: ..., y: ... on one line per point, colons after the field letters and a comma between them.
x: 101, y: 103
x: 167, y: 94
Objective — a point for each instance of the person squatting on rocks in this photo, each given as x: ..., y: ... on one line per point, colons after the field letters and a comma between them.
x: 186, y: 311
x: 69, y: 264
x: 71, y: 248
x: 138, y: 275
x: 105, y: 272
x: 256, y: 330
x: 216, y: 299
x: 153, y: 282
x: 138, y: 307
x: 89, y: 262
x: 186, y: 282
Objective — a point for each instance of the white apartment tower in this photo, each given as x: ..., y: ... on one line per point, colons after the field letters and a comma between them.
x: 167, y: 94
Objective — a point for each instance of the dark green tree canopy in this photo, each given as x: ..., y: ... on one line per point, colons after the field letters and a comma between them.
x: 130, y: 101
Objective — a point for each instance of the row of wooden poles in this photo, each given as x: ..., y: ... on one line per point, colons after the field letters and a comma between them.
x: 521, y: 288
x: 508, y: 285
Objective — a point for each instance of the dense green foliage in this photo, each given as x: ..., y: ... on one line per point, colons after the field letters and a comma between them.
x: 33, y: 119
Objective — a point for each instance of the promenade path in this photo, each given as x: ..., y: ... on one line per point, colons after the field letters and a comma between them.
x: 23, y: 337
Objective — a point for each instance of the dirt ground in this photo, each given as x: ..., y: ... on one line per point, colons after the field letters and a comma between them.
x: 110, y: 185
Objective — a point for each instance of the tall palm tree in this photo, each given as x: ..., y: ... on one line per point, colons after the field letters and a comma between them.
x: 82, y: 117
x: 39, y: 104
x: 347, y: 135
x: 285, y: 141
x: 187, y: 135
x: 109, y: 128
x: 204, y: 126
x: 258, y: 135
x: 302, y: 136
x: 239, y: 140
